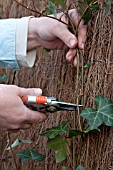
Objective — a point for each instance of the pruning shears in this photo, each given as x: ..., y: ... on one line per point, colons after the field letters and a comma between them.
x: 48, y: 104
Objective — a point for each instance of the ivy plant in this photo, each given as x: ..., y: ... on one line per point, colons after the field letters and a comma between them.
x: 18, y: 142
x: 108, y: 6
x: 59, y: 136
x: 51, y: 8
x: 4, y: 78
x: 60, y: 129
x: 29, y: 154
x: 103, y: 114
x: 80, y: 167
x: 60, y: 145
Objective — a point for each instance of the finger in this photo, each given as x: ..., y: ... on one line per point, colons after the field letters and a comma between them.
x: 74, y: 17
x: 65, y: 35
x: 14, y: 131
x: 63, y: 18
x: 30, y: 91
x: 75, y: 62
x: 26, y: 126
x: 70, y: 54
x: 34, y: 116
x: 82, y: 30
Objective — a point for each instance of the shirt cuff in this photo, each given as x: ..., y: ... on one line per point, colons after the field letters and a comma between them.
x: 24, y: 58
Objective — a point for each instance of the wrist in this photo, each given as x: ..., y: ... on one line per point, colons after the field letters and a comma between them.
x: 32, y: 40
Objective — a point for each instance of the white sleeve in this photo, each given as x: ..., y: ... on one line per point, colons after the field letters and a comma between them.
x: 7, y: 44
x: 24, y: 58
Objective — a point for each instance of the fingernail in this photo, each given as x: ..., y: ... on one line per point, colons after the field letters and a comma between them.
x: 38, y: 91
x: 72, y: 43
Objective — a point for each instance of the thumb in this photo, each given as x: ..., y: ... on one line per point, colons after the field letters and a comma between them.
x: 66, y: 36
x: 30, y: 91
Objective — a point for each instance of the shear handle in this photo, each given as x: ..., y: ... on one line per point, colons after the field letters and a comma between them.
x: 34, y: 99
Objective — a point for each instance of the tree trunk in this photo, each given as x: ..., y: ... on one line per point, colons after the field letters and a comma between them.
x: 57, y: 78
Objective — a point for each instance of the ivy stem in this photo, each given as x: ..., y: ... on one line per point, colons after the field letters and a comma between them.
x: 4, y: 152
x: 82, y: 81
x: 77, y: 87
x: 41, y: 14
x: 68, y: 151
x: 76, y: 96
x: 8, y: 136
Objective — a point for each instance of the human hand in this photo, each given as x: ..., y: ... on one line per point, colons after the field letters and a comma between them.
x: 14, y: 115
x: 52, y: 34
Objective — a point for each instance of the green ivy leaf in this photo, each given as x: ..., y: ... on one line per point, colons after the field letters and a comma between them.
x: 28, y: 154
x: 90, y: 6
x: 60, y: 2
x: 26, y: 141
x: 64, y: 168
x: 102, y: 115
x: 80, y: 167
x: 50, y: 8
x: 88, y: 64
x: 77, y: 133
x: 94, y: 6
x: 89, y: 1
x: 59, y: 145
x: 60, y: 129
x: 108, y: 6
x: 14, y: 144
x: 17, y: 142
x: 4, y: 78
x: 87, y: 16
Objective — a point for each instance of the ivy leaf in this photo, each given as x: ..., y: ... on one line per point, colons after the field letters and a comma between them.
x: 87, y: 16
x: 80, y: 167
x: 26, y: 141
x: 102, y: 115
x: 17, y: 142
x: 60, y: 2
x: 89, y: 1
x: 59, y: 145
x: 50, y: 8
x: 77, y: 133
x: 4, y: 78
x: 94, y: 6
x: 60, y: 129
x: 64, y: 168
x: 108, y: 6
x: 88, y: 64
x: 28, y: 154
x: 86, y: 8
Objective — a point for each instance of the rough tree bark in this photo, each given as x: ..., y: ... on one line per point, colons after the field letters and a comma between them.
x: 57, y: 78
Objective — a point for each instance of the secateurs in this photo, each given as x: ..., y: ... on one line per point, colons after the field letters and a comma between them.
x: 48, y: 104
